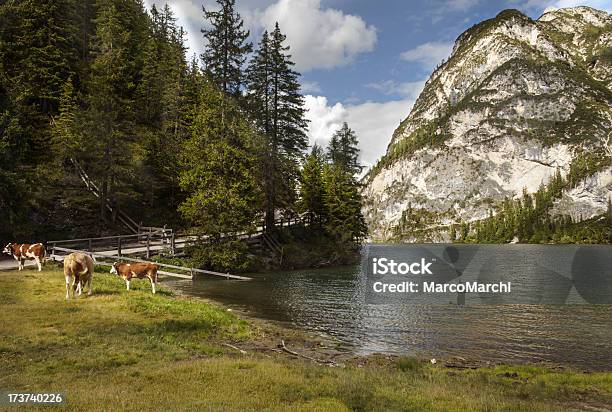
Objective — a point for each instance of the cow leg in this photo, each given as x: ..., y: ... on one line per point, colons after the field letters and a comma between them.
x: 152, y: 284
x: 90, y: 290
x: 21, y: 264
x: 67, y: 287
x: 37, y: 259
x: 79, y: 287
x: 127, y: 284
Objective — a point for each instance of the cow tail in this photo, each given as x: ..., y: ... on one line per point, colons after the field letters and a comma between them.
x: 44, y: 255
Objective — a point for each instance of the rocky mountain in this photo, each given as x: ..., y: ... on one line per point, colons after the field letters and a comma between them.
x: 517, y: 102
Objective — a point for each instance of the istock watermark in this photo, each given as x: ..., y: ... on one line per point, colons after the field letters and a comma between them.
x: 385, y: 266
x: 487, y: 274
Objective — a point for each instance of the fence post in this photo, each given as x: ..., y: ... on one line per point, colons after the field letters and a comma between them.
x: 119, y: 246
x: 148, y: 246
x: 90, y: 247
x: 172, y: 244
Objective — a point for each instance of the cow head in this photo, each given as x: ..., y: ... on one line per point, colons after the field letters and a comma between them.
x: 8, y: 249
x: 113, y: 270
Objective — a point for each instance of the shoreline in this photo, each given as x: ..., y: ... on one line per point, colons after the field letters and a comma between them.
x: 140, y: 351
x: 313, y: 343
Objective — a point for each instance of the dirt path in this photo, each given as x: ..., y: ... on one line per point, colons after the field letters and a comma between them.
x: 12, y: 264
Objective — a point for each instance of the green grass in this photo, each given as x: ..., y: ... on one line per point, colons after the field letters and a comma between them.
x: 135, y: 351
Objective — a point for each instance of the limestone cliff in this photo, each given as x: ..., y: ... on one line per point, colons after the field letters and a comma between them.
x: 517, y: 100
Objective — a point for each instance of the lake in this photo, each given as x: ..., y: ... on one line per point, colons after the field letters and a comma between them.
x: 331, y: 302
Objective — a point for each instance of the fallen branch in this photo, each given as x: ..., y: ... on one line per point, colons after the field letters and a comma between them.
x: 455, y: 366
x: 300, y: 355
x: 235, y: 348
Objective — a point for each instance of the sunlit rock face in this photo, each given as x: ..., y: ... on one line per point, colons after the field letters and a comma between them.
x: 517, y: 100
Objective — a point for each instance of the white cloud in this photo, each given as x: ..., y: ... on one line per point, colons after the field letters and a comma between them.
x: 373, y: 122
x: 460, y: 5
x: 428, y: 54
x: 598, y: 4
x: 394, y: 88
x: 549, y: 5
x: 320, y: 38
x: 449, y: 8
x: 324, y: 119
x: 310, y: 87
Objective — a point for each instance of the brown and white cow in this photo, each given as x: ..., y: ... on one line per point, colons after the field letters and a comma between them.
x: 26, y: 251
x: 136, y: 270
x: 78, y: 269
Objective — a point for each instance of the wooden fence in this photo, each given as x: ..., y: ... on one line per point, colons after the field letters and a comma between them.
x: 150, y: 238
x: 145, y: 241
x: 191, y: 271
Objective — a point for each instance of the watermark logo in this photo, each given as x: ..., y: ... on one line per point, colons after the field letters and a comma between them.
x: 383, y: 266
x: 494, y: 274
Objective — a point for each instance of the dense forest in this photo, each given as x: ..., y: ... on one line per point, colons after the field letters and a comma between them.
x: 213, y: 144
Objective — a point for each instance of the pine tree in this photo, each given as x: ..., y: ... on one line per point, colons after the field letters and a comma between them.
x: 38, y: 53
x: 219, y: 174
x: 343, y: 196
x: 465, y: 231
x: 343, y: 202
x: 111, y: 94
x: 453, y: 233
x: 279, y: 113
x: 343, y: 150
x: 165, y: 107
x: 65, y: 140
x: 289, y: 123
x: 260, y: 86
x: 227, y: 48
x: 312, y: 191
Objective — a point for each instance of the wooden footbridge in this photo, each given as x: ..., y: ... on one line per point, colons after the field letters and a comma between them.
x: 108, y: 249
x: 145, y: 241
x: 151, y: 241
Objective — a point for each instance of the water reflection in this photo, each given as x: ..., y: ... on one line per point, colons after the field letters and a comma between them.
x: 332, y: 302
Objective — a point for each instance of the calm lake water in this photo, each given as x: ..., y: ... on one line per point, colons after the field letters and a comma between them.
x: 331, y: 302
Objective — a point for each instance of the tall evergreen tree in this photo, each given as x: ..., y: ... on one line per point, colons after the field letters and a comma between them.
x: 278, y: 108
x: 288, y: 112
x: 38, y: 53
x: 343, y: 202
x: 344, y: 151
x: 227, y: 48
x: 121, y: 29
x: 219, y: 174
x: 342, y: 191
x: 65, y: 141
x: 260, y: 86
x: 164, y: 108
x: 453, y: 233
x: 312, y: 190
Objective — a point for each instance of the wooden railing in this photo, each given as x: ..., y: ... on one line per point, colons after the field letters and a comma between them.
x: 99, y: 259
x: 146, y: 240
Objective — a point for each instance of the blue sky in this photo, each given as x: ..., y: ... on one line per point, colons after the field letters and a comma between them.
x: 363, y: 61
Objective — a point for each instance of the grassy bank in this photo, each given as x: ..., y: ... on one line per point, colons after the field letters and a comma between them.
x: 138, y: 351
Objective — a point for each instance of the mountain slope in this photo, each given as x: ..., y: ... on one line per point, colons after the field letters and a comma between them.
x: 517, y: 100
